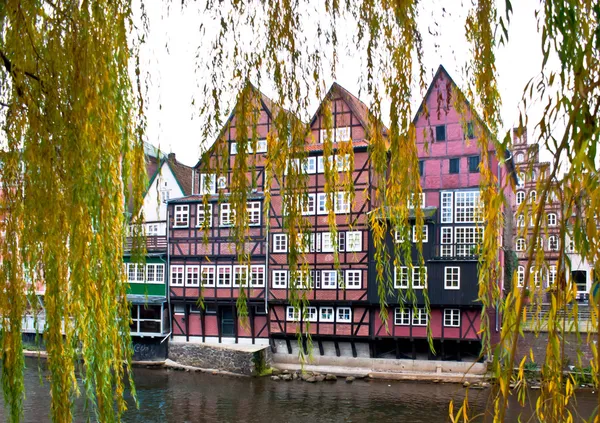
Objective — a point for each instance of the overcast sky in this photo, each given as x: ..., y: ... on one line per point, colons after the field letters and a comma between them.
x: 169, y: 58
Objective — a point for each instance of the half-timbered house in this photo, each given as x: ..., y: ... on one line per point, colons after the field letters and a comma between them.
x: 450, y: 157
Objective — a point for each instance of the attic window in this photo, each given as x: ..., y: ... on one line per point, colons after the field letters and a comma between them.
x: 470, y: 130
x: 440, y: 133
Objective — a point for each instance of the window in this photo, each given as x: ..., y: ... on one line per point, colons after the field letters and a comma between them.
x: 179, y: 308
x: 207, y: 184
x: 353, y: 279
x: 421, y: 167
x: 570, y: 246
x: 192, y: 275
x: 468, y: 207
x: 342, y: 162
x: 177, y: 275
x: 520, y: 158
x: 400, y: 277
x: 135, y: 272
x: 204, y: 215
x: 552, y: 219
x: 327, y: 242
x: 182, y: 216
x: 165, y: 194
x: 354, y: 241
x: 329, y: 279
x: 155, y: 273
x: 521, y: 221
x: 452, y: 277
x: 419, y: 317
x: 520, y: 246
x: 467, y: 239
x: 257, y: 275
x: 520, y: 197
x: 533, y: 176
x: 532, y: 196
x: 253, y: 210
x: 521, y: 180
x: 321, y: 203
x: 447, y: 207
x: 341, y: 241
x: 452, y: 317
x: 552, y: 243
x: 447, y: 247
x: 551, y: 275
x: 338, y: 134
x: 579, y: 278
x: 146, y: 319
x: 411, y: 201
x: 398, y: 236
x: 280, y: 278
x: 474, y: 164
x: 310, y: 165
x: 470, y: 130
x: 240, y: 275
x: 311, y: 314
x: 233, y: 148
x: 261, y: 146
x: 308, y: 205
x: 342, y: 202
x: 292, y: 314
x: 280, y: 243
x: 208, y: 275
x: 326, y: 314
x: 344, y: 315
x: 440, y: 133
x: 520, y: 276
x: 419, y: 277
x: 402, y: 317
x: 227, y: 215
x: 425, y: 231
x: 223, y: 276
x: 454, y: 165
x: 535, y: 276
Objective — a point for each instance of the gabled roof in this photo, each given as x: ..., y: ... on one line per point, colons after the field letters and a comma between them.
x: 358, y: 108
x: 183, y: 174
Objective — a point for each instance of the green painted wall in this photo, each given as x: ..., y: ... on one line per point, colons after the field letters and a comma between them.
x: 148, y: 288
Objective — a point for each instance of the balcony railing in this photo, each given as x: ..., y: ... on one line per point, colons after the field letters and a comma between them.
x: 455, y: 252
x: 153, y: 243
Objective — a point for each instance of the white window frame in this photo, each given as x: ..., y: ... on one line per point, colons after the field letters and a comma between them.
x: 226, y: 215
x: 326, y: 314
x: 354, y: 241
x: 532, y: 196
x: 520, y: 245
x: 292, y: 314
x: 329, y: 279
x: 311, y: 314
x: 207, y: 187
x: 158, y: 269
x: 467, y: 206
x: 447, y: 206
x: 253, y: 210
x: 134, y: 269
x: 205, y: 213
x: 179, y: 270
x: 551, y: 275
x: 447, y: 241
x: 425, y: 229
x: 465, y: 238
x: 181, y: 216
x: 208, y: 275
x: 192, y: 275
x: 401, y: 280
x: 340, y: 315
x: 452, y: 277
x: 226, y: 270
x: 402, y: 317
x: 322, y: 203
x: 419, y: 316
x: 240, y: 276
x: 280, y: 243
x: 353, y: 279
x: 520, y: 197
x: 280, y: 279
x: 520, y: 276
x: 411, y: 201
x: 310, y: 165
x: 257, y: 275
x: 552, y: 239
x: 452, y: 317
x: 327, y: 242
x: 311, y: 205
x: 342, y: 203
x: 552, y: 219
x: 416, y: 272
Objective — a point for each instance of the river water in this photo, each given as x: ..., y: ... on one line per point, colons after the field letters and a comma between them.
x: 174, y: 396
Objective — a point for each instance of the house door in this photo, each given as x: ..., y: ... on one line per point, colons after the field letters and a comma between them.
x: 227, y: 323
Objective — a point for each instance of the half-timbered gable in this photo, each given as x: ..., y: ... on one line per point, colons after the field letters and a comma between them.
x: 337, y: 293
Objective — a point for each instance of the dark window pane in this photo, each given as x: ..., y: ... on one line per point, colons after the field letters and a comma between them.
x: 149, y: 326
x: 474, y: 164
x: 470, y: 131
x: 440, y: 133
x: 454, y: 165
x: 150, y: 312
x: 579, y: 278
x: 421, y: 167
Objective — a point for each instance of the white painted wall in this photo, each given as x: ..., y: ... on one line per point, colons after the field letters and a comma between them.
x: 580, y: 263
x: 154, y: 208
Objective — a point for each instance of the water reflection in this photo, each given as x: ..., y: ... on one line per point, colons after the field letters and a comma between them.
x: 172, y: 396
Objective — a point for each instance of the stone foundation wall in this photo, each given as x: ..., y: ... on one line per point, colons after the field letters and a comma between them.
x: 246, y: 361
x: 538, y: 345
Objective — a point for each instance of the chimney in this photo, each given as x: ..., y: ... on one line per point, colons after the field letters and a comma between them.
x: 171, y: 157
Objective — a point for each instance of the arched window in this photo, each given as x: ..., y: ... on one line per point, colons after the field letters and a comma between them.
x: 535, y: 276
x: 533, y: 176
x: 540, y: 243
x: 551, y: 275
x: 552, y: 243
x: 520, y: 276
x: 520, y: 157
x: 533, y: 196
x: 521, y: 221
x: 551, y: 219
x: 520, y: 197
x: 520, y: 244
x: 521, y: 180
